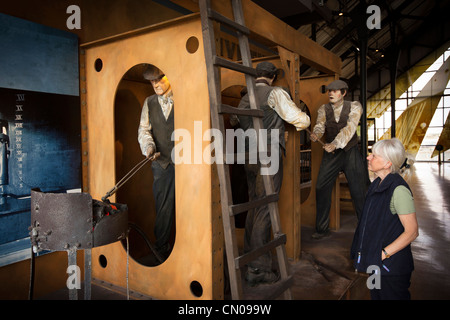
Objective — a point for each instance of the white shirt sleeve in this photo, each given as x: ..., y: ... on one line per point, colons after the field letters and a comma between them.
x: 319, y: 128
x: 145, y: 137
x: 282, y: 103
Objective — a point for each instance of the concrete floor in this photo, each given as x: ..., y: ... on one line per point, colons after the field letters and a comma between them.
x: 430, y: 184
x: 325, y: 272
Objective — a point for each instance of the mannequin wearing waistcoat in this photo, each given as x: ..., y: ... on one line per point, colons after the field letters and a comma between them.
x: 154, y: 135
x: 338, y: 121
x: 278, y: 107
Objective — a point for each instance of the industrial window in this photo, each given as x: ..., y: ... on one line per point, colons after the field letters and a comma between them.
x: 426, y: 89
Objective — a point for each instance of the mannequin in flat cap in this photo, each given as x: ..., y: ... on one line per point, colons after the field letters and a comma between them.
x: 338, y: 121
x: 278, y: 107
x: 154, y: 135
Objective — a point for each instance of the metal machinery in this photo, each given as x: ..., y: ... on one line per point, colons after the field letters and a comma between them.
x: 74, y: 221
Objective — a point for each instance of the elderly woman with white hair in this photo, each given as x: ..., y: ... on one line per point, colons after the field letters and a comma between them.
x: 388, y: 224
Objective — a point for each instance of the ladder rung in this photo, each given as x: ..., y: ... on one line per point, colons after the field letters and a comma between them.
x: 252, y: 255
x: 214, y: 62
x: 218, y: 61
x: 232, y: 24
x: 277, y: 289
x: 242, y: 207
x: 224, y: 108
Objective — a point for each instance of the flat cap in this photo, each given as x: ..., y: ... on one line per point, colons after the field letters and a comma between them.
x: 152, y: 73
x: 266, y: 67
x: 337, y: 85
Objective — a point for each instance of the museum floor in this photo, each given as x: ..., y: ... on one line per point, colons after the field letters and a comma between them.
x: 324, y: 271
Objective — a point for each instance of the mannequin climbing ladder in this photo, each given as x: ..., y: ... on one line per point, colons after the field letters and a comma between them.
x: 229, y: 210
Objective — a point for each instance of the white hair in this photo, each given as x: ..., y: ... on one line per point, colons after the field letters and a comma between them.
x: 391, y: 150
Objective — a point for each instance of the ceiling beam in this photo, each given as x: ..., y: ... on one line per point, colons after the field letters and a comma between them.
x: 433, y: 24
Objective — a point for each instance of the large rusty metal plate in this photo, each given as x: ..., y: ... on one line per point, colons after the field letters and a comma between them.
x: 61, y: 221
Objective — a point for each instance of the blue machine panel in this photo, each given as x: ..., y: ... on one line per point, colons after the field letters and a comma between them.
x: 40, y: 121
x: 35, y: 57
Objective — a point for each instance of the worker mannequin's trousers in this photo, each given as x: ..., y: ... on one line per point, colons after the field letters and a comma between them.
x: 164, y: 194
x: 354, y: 166
x: 258, y: 222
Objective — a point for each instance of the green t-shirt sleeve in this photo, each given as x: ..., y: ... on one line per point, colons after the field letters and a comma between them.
x: 402, y: 201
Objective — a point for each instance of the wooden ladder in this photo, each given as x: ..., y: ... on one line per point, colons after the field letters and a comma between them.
x: 229, y: 210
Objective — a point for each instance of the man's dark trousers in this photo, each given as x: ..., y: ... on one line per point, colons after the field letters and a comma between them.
x: 354, y: 166
x: 258, y: 223
x: 164, y: 194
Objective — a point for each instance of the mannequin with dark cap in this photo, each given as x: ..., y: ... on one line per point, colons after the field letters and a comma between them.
x: 278, y: 107
x: 155, y: 129
x: 338, y: 121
